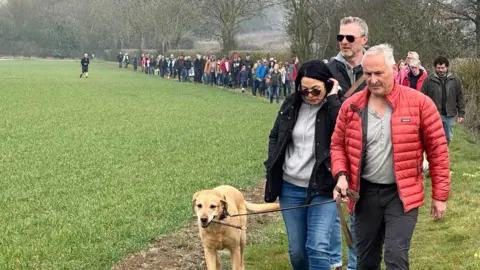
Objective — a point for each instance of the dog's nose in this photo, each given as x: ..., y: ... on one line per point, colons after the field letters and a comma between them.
x: 204, y: 219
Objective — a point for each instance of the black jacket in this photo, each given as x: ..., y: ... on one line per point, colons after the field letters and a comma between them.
x: 248, y: 64
x: 85, y: 62
x: 455, y: 101
x: 198, y: 65
x: 339, y: 72
x: 180, y: 64
x: 188, y: 64
x: 236, y: 67
x: 281, y: 135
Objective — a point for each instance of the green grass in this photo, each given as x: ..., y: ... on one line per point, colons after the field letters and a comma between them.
x: 448, y: 244
x: 93, y: 169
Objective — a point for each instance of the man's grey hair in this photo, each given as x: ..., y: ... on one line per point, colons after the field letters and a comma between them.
x: 360, y: 22
x: 415, y: 63
x: 415, y: 55
x: 387, y: 51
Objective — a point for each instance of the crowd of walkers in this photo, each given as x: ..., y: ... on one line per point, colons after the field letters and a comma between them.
x: 268, y: 78
x: 358, y: 121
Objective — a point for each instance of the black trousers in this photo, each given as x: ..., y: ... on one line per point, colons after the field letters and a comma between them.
x: 198, y: 76
x: 380, y: 223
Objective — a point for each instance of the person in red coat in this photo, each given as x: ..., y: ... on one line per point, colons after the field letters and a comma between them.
x: 416, y: 76
x: 377, y: 150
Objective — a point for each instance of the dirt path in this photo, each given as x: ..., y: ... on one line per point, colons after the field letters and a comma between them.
x: 182, y: 249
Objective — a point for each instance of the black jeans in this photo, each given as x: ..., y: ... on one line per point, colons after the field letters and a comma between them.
x: 198, y: 76
x: 381, y: 223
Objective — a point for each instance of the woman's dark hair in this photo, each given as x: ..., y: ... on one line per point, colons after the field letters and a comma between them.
x: 314, y: 69
x: 440, y: 61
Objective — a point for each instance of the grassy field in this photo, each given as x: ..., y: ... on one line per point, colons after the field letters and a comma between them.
x: 448, y: 244
x: 92, y: 169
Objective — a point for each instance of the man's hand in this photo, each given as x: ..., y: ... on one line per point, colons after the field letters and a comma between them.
x: 342, y: 184
x: 438, y: 209
x: 460, y: 120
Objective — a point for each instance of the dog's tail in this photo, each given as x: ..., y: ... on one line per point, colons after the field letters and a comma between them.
x: 260, y: 207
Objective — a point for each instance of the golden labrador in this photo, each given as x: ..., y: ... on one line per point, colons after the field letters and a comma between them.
x: 216, y: 205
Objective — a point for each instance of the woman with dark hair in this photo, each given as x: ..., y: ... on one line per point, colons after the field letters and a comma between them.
x: 298, y: 168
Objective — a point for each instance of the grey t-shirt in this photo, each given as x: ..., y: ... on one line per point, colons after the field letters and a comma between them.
x: 378, y: 159
x: 300, y: 154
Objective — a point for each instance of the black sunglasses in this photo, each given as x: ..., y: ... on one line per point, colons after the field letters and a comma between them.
x: 305, y: 92
x: 350, y: 38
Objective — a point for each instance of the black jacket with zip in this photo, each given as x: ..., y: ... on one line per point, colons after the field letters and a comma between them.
x: 432, y: 87
x: 339, y: 71
x: 280, y: 136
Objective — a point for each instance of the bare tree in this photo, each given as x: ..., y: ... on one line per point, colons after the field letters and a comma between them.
x: 223, y: 17
x: 409, y: 25
x: 68, y: 28
x: 178, y: 18
x: 309, y: 26
x: 464, y: 10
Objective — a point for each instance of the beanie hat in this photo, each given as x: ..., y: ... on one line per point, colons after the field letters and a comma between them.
x: 314, y: 69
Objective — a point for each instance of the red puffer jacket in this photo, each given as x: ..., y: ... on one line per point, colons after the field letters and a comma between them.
x: 423, y: 76
x: 416, y: 127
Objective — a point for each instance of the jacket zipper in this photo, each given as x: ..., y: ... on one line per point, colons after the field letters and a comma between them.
x: 275, y: 160
x: 281, y: 148
x: 361, y: 148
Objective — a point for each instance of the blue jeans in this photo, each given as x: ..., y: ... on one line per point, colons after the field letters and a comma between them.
x: 448, y: 122
x: 205, y: 77
x: 226, y: 79
x: 336, y: 245
x: 255, y: 84
x: 352, y: 252
x: 287, y: 88
x: 311, y: 232
x: 185, y: 76
x: 275, y: 90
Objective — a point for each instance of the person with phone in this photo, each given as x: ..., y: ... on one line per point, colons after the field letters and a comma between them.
x: 298, y: 167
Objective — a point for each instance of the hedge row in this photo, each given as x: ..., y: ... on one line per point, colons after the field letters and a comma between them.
x: 468, y: 70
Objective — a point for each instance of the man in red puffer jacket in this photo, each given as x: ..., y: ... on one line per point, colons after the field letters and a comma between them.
x: 377, y: 150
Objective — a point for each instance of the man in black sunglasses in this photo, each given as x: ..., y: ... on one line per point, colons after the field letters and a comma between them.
x: 346, y: 66
x: 347, y: 69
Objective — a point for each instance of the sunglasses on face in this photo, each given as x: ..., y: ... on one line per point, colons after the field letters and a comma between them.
x: 350, y: 38
x: 305, y: 92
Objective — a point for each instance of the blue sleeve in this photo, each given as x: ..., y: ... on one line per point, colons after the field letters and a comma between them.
x: 259, y: 72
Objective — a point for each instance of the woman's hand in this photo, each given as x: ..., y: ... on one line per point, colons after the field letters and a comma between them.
x: 334, y: 90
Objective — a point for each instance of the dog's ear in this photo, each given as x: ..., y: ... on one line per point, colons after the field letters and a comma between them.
x: 194, y: 199
x: 224, y: 203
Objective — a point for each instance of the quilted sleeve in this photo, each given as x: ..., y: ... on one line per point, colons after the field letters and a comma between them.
x: 338, y: 152
x: 435, y: 145
x: 460, y: 99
